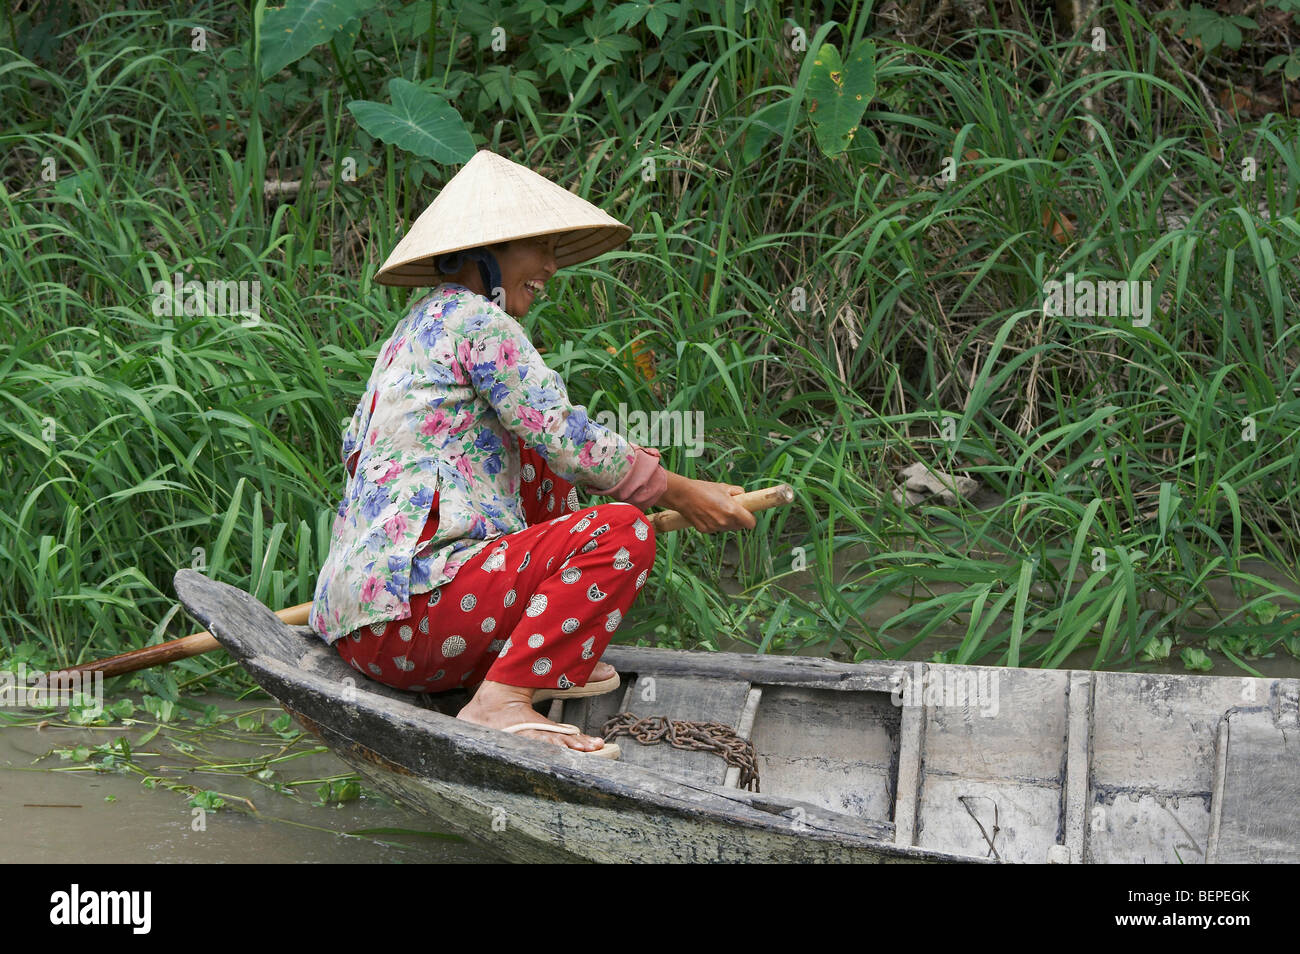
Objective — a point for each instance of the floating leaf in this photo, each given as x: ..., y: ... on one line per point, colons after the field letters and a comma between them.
x: 1196, y: 659
x: 1265, y: 612
x: 249, y: 722
x: 160, y: 681
x: 86, y: 715
x: 160, y: 709
x: 338, y: 792
x: 208, y: 714
x: 208, y: 801
x: 347, y: 792
x: 1157, y: 650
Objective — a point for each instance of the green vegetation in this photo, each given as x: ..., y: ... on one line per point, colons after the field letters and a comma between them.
x: 842, y: 292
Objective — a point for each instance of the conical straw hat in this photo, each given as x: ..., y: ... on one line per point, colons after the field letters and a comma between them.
x: 491, y: 200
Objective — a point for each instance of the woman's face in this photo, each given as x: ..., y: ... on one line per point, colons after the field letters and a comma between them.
x: 526, y: 265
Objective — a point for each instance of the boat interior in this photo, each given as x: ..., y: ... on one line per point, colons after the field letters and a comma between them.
x: 992, y: 764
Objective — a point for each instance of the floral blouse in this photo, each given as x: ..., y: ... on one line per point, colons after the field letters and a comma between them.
x: 453, y: 386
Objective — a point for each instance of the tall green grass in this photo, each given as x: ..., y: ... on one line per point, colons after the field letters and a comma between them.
x: 133, y: 444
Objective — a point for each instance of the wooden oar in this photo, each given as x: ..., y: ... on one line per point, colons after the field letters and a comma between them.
x: 664, y: 521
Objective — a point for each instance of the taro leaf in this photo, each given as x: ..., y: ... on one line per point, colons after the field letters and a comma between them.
x: 838, y: 94
x: 291, y: 32
x: 419, y: 121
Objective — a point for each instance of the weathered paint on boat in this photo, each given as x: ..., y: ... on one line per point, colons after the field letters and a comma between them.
x: 877, y: 761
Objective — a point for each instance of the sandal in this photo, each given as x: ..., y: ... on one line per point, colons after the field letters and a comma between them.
x: 579, y: 692
x: 610, y: 751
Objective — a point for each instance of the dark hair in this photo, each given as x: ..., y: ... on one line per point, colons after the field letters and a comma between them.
x: 488, y: 268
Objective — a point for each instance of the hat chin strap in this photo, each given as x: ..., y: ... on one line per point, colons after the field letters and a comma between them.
x: 488, y: 269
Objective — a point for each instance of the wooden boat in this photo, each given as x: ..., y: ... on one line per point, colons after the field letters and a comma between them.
x: 877, y: 761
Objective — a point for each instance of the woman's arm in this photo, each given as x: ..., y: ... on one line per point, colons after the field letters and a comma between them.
x: 709, y: 507
x: 496, y: 358
x: 532, y: 402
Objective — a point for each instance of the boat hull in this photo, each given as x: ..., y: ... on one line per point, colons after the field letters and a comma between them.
x: 872, y: 762
x: 540, y: 806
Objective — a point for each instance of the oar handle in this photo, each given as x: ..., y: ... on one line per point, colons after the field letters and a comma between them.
x: 183, y: 648
x: 664, y: 521
x: 753, y: 501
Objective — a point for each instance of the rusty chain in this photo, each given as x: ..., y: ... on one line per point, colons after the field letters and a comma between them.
x: 714, y: 737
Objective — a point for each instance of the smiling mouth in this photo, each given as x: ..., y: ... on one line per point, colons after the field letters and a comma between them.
x: 536, y: 287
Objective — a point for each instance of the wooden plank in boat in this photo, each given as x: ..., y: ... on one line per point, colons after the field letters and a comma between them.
x: 689, y: 698
x: 1075, y: 817
x: 1152, y: 764
x: 744, y: 729
x: 1256, y: 791
x: 836, y: 750
x: 768, y: 670
x: 907, y: 790
x: 993, y: 766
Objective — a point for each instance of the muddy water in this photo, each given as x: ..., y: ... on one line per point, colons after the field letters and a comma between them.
x: 49, y: 813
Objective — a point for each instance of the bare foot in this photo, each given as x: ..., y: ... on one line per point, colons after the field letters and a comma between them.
x: 499, y: 706
x: 602, y: 672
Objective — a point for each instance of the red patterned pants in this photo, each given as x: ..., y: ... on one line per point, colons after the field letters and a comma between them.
x: 536, y: 609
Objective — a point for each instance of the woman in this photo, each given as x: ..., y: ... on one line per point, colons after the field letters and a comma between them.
x: 460, y: 555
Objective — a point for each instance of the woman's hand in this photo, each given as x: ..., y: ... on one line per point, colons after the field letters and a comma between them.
x: 709, y: 507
